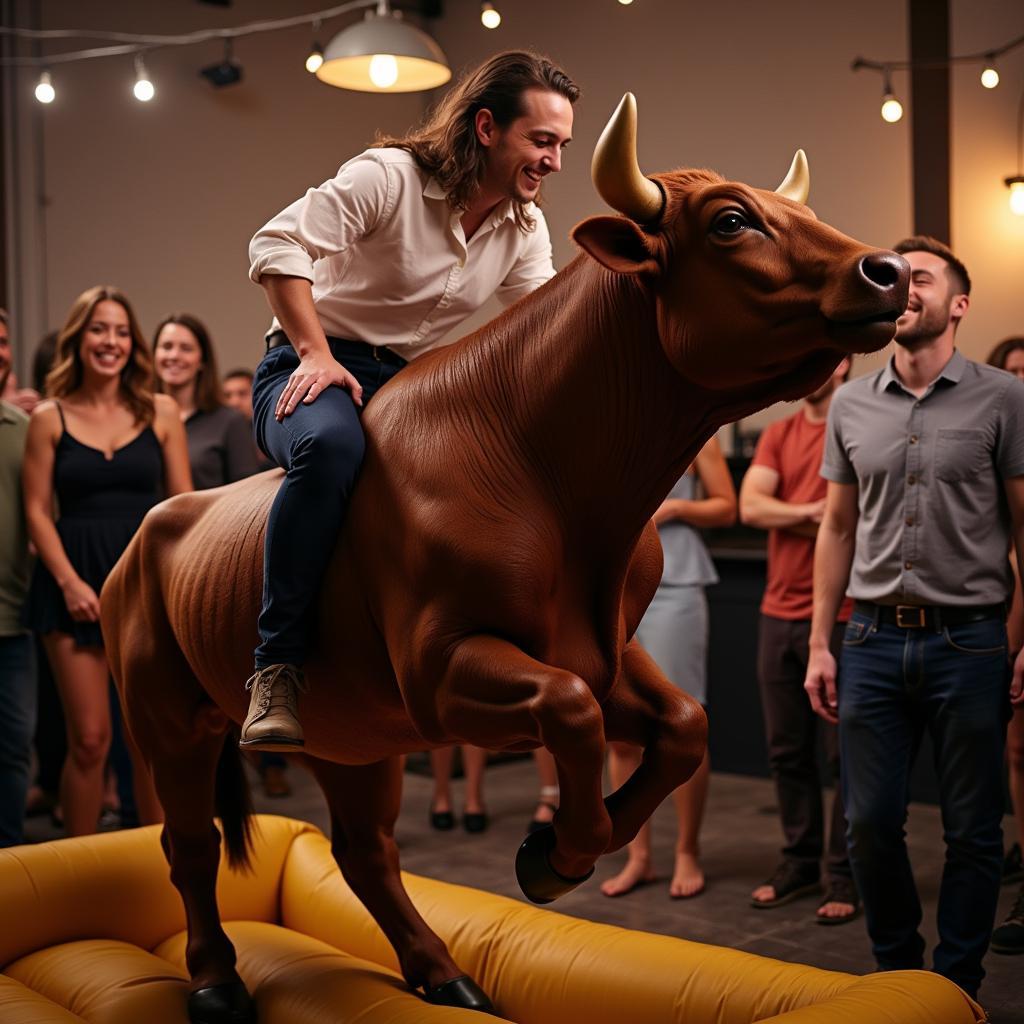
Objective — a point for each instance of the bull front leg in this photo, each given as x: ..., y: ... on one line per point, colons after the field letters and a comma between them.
x: 496, y: 696
x: 645, y: 710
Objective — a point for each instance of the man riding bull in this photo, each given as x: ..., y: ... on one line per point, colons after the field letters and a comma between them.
x: 364, y: 273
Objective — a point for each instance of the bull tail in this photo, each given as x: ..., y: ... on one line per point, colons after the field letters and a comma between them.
x: 233, y: 803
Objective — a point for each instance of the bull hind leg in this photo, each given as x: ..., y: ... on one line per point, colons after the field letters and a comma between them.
x: 364, y: 801
x: 494, y: 695
x: 196, y: 772
x: 644, y: 709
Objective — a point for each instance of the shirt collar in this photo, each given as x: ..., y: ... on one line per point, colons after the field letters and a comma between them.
x: 952, y: 372
x: 505, y: 210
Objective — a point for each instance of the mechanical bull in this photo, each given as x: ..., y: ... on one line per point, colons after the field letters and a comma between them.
x: 498, y: 553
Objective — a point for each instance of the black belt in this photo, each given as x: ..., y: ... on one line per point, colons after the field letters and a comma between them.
x: 916, y: 616
x: 379, y: 352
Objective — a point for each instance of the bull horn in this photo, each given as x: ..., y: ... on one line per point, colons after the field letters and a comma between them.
x: 797, y: 184
x: 615, y: 172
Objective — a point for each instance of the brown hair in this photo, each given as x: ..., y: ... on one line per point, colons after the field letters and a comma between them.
x: 956, y: 271
x: 207, y: 380
x: 137, y: 376
x: 999, y: 355
x: 445, y: 145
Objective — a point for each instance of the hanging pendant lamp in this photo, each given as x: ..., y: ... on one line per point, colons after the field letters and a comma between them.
x: 383, y: 54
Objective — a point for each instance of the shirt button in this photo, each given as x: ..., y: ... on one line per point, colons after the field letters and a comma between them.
x: 911, y: 479
x: 907, y: 565
x: 909, y: 520
x: 913, y: 438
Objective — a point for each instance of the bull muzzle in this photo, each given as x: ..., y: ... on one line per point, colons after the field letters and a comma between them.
x: 623, y: 187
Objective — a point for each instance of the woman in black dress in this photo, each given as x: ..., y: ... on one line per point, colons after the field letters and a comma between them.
x: 107, y: 449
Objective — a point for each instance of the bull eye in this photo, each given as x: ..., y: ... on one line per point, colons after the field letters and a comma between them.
x: 731, y: 222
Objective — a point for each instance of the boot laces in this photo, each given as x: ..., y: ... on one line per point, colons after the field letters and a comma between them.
x: 276, y: 686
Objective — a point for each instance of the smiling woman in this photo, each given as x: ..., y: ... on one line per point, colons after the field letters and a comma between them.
x: 107, y: 449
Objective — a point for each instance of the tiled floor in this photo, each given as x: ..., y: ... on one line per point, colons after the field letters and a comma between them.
x: 740, y: 840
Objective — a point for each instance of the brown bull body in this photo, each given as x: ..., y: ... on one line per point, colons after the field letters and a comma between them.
x: 498, y: 552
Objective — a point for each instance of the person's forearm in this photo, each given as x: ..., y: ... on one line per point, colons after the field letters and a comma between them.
x: 43, y: 533
x: 768, y: 513
x: 291, y: 299
x: 833, y: 557
x: 702, y: 513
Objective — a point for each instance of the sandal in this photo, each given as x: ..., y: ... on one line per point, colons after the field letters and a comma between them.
x: 790, y: 882
x: 839, y: 890
x: 547, y: 794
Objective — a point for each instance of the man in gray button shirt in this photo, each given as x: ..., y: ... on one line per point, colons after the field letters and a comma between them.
x: 925, y: 463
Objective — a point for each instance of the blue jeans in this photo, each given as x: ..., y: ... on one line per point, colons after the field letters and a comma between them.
x: 893, y: 684
x: 321, y: 446
x: 17, y: 724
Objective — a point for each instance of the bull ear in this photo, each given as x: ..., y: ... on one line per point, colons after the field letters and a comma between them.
x: 616, y: 243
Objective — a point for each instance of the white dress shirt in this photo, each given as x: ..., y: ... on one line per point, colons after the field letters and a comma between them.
x: 388, y: 258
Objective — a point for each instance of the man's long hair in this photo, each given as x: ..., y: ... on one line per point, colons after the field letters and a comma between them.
x: 446, y: 146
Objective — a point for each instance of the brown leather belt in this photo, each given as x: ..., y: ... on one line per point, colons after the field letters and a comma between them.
x: 916, y: 616
x: 379, y: 352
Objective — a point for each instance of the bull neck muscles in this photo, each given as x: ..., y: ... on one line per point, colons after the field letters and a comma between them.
x: 597, y: 410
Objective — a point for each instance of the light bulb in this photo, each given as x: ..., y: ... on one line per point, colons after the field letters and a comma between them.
x: 1017, y: 197
x: 383, y: 70
x: 143, y: 88
x: 990, y: 77
x: 489, y: 15
x: 892, y: 109
x: 315, y: 59
x: 625, y: 3
x: 45, y: 91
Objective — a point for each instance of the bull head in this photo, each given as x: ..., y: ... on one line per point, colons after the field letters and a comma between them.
x: 620, y: 184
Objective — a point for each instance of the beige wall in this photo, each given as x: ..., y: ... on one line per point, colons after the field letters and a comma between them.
x: 162, y: 199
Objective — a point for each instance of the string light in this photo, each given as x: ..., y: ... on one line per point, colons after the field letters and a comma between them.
x: 316, y: 52
x: 315, y: 58
x: 143, y: 89
x: 490, y: 16
x: 892, y: 109
x: 989, y: 76
x: 45, y: 91
x: 1016, y: 187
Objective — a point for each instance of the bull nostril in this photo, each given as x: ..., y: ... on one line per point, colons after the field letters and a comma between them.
x: 885, y: 269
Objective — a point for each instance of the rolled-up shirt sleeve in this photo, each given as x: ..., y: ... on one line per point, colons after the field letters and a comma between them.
x: 324, y: 222
x: 534, y: 266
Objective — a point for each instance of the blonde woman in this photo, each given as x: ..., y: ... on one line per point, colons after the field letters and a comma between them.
x: 674, y: 631
x: 105, y: 449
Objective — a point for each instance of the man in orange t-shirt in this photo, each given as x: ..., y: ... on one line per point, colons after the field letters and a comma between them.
x: 783, y: 493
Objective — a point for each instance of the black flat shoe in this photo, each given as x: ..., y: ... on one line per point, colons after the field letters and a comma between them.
x: 443, y: 821
x: 475, y: 821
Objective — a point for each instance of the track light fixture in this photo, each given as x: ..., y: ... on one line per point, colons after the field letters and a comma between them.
x: 227, y: 72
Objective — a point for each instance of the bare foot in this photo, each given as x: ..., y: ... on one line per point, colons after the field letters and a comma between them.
x: 544, y: 812
x: 763, y: 894
x: 635, y: 873
x: 837, y: 911
x: 687, y: 879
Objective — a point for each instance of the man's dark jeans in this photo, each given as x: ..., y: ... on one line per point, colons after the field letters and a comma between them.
x: 792, y: 730
x: 17, y: 723
x: 894, y: 683
x: 321, y: 446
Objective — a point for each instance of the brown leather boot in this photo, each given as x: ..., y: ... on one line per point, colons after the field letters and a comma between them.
x: 272, y: 723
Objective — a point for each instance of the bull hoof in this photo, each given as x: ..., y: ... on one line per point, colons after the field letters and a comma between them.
x: 221, y: 1004
x: 463, y: 992
x: 540, y: 882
